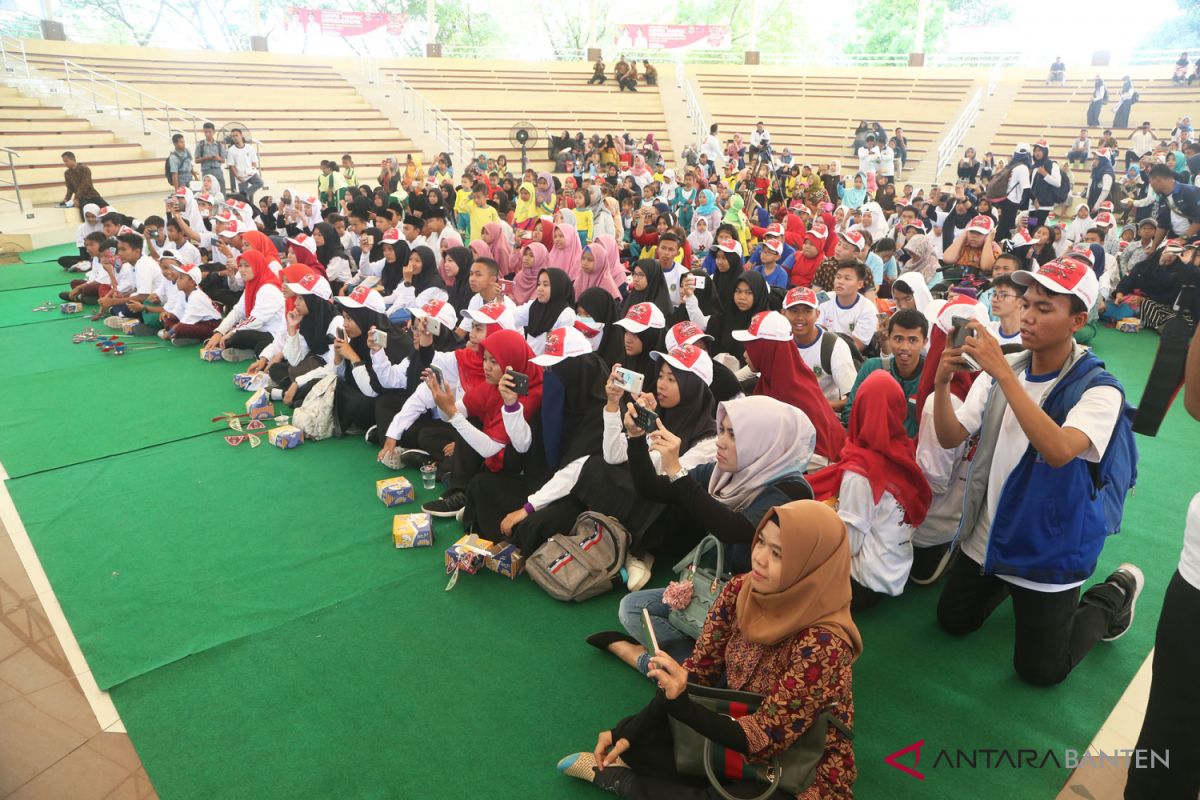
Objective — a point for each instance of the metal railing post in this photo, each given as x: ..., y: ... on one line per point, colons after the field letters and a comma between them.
x: 25, y: 61
x: 95, y: 100
x: 67, y: 72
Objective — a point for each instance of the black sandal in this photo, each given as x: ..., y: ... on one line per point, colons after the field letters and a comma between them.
x: 602, y: 640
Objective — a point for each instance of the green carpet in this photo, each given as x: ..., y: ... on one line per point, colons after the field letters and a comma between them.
x: 325, y: 663
x: 26, y: 275
x: 16, y: 307
x: 51, y: 253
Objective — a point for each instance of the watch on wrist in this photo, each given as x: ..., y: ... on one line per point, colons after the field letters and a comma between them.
x: 682, y: 472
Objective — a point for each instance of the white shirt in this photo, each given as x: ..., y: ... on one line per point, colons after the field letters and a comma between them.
x: 880, y: 540
x: 244, y: 161
x: 757, y: 138
x: 887, y: 162
x: 837, y: 385
x: 1001, y: 336
x: 673, y: 277
x: 266, y: 317
x: 1095, y: 416
x: 538, y: 343
x: 868, y: 159
x: 859, y: 320
x: 946, y: 471
x: 1018, y: 181
x: 198, y: 308
x: 1141, y: 142
x: 1189, y: 559
x: 188, y: 253
x: 146, y: 274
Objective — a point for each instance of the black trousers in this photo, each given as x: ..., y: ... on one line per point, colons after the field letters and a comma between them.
x: 598, y: 78
x: 248, y: 340
x: 1093, y: 112
x: 1054, y: 630
x: 1008, y: 218
x: 1174, y: 707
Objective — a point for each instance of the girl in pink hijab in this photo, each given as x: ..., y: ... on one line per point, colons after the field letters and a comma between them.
x: 594, y: 272
x: 567, y: 250
x: 612, y: 259
x: 533, y: 259
x: 502, y: 252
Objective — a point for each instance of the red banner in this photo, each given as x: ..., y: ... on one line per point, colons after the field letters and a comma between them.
x: 347, y: 23
x: 673, y: 37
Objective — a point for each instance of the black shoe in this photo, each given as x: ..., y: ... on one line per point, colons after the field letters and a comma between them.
x: 1129, y: 579
x: 371, y: 436
x: 929, y: 563
x: 65, y: 296
x: 602, y: 640
x: 414, y: 458
x: 449, y: 505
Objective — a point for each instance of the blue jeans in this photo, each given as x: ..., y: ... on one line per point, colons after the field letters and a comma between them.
x: 677, y: 645
x: 249, y: 186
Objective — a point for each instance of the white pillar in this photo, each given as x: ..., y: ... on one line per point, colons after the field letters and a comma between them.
x: 591, y: 24
x: 48, y: 9
x: 431, y: 19
x: 919, y: 35
x: 255, y: 10
x: 753, y: 43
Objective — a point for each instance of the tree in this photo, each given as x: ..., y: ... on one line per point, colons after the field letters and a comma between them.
x: 892, y: 26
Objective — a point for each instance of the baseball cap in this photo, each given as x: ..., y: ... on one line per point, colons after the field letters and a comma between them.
x: 1065, y: 275
x: 728, y: 248
x: 496, y: 312
x: 1173, y: 246
x: 390, y: 236
x: 854, y: 239
x: 1020, y: 239
x: 305, y: 241
x: 1022, y: 148
x: 363, y: 297
x: 169, y: 252
x: 440, y: 310
x: 204, y: 197
x: 1042, y: 143
x: 312, y: 283
x: 1082, y: 251
x: 227, y: 216
x: 1104, y: 218
x: 642, y: 316
x: 682, y: 333
x: 689, y: 358
x: 774, y: 229
x: 562, y: 343
x: 1105, y: 206
x: 819, y: 231
x: 232, y: 229
x: 774, y: 245
x: 768, y: 325
x: 981, y: 223
x: 801, y: 296
x: 191, y: 270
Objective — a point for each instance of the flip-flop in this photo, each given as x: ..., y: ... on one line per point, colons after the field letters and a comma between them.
x: 602, y: 640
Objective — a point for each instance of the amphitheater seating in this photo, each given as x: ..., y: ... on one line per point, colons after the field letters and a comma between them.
x: 814, y: 115
x: 489, y: 98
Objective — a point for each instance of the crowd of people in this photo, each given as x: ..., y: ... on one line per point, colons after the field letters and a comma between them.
x: 858, y: 389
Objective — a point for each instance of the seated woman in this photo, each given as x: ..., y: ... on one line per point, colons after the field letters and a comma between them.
x: 783, y: 631
x: 763, y: 448
x: 882, y: 493
x: 332, y: 255
x: 358, y: 384
x: 595, y: 315
x: 420, y: 283
x: 643, y: 324
x: 297, y: 359
x: 256, y: 318
x: 552, y: 306
x: 594, y: 272
x: 647, y: 285
x: 739, y: 295
x: 526, y: 507
x: 491, y: 422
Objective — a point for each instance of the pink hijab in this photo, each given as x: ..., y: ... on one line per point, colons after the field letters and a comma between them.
x: 450, y: 238
x: 480, y: 248
x: 524, y: 284
x: 612, y: 259
x: 599, y: 277
x: 566, y: 257
x: 502, y: 251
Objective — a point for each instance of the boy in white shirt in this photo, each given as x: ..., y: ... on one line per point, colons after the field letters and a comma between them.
x: 802, y: 309
x: 95, y: 284
x: 136, y: 280
x: 199, y: 317
x: 848, y: 311
x: 1032, y: 524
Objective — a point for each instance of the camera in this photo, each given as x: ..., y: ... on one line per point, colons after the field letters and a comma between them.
x: 520, y: 382
x: 629, y: 380
x: 958, y: 337
x: 379, y: 337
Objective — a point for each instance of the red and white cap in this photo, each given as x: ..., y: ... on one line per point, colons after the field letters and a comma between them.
x: 363, y: 297
x: 684, y: 333
x: 1020, y: 239
x: 854, y: 239
x: 689, y: 358
x: 642, y: 316
x: 562, y: 343
x: 440, y: 310
x: 727, y: 247
x: 1105, y: 206
x: 204, y: 197
x: 232, y: 228
x: 1084, y: 252
x: 981, y: 223
x: 309, y: 200
x: 312, y: 283
x: 182, y: 191
x: 1104, y: 219
x: 774, y: 229
x: 1100, y: 152
x: 496, y: 312
x: 1042, y: 143
x: 390, y: 236
x: 305, y: 241
x: 227, y: 216
x: 1065, y: 275
x: 591, y: 330
x: 774, y: 245
x: 1173, y: 246
x: 770, y: 326
x: 191, y: 270
x: 818, y: 230
x: 236, y: 204
x: 801, y: 296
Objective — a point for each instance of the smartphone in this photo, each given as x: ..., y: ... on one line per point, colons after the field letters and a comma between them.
x: 629, y: 380
x: 436, y: 372
x: 648, y: 637
x: 646, y: 419
x: 958, y: 337
x: 699, y: 281
x: 520, y: 382
x: 340, y: 333
x: 433, y: 326
x: 379, y: 337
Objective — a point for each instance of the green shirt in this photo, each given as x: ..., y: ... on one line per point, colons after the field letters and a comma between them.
x: 911, y: 420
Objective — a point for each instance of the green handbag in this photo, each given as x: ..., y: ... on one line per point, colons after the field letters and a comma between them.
x: 706, y: 583
x: 791, y: 772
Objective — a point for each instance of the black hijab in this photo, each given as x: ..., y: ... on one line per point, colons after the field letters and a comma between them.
x: 734, y: 319
x: 333, y: 244
x: 428, y: 277
x: 314, y: 325
x: 542, y: 316
x: 601, y: 307
x: 655, y: 291
x: 724, y: 283
x: 460, y: 293
x: 695, y: 418
x: 580, y: 430
x: 365, y: 319
x: 393, y: 271
x: 652, y: 339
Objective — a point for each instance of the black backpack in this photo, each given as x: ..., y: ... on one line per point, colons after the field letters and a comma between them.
x: 167, y: 170
x: 829, y: 341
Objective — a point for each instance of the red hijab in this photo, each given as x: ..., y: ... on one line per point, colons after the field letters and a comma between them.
x: 831, y: 237
x: 960, y: 384
x: 804, y: 269
x: 482, y: 400
x: 262, y: 277
x: 783, y: 375
x: 879, y: 449
x: 308, y: 259
x: 293, y: 274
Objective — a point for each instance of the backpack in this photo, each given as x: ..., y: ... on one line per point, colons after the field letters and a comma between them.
x: 315, y: 415
x: 1116, y: 474
x: 829, y: 342
x: 997, y: 188
x: 1063, y: 192
x: 582, y: 563
x: 167, y: 171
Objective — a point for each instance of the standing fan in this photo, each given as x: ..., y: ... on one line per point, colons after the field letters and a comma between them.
x: 523, y: 135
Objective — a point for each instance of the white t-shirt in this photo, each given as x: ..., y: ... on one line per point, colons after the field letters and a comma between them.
x: 188, y: 253
x: 859, y: 320
x: 1001, y: 336
x: 1189, y: 559
x: 1018, y: 181
x: 868, y: 159
x: 146, y: 274
x: 946, y: 471
x: 244, y: 161
x: 839, y: 384
x: 1095, y: 416
x: 672, y: 278
x: 880, y: 540
x: 198, y: 308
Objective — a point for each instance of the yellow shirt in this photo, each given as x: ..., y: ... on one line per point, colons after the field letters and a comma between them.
x: 584, y: 223
x: 463, y: 202
x: 481, y: 217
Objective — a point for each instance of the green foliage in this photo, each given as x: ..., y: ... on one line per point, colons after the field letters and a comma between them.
x: 889, y: 26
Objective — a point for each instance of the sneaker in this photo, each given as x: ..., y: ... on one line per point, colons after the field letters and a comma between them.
x: 116, y: 323
x: 80, y: 266
x: 638, y: 571
x: 929, y: 563
x: 451, y: 504
x: 141, y: 329
x: 235, y: 355
x: 370, y: 432
x: 179, y: 342
x: 413, y: 458
x: 1131, y: 581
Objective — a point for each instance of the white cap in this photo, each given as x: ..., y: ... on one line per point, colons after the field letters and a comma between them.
x: 312, y: 283
x: 683, y: 333
x: 1065, y: 275
x: 191, y: 270
x: 690, y: 359
x: 769, y: 325
x: 305, y: 241
x: 232, y: 229
x: 363, y: 297
x: 440, y: 310
x: 496, y: 312
x: 562, y: 343
x: 642, y: 316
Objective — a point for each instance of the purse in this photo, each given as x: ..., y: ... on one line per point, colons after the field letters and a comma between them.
x: 791, y: 772
x: 706, y: 583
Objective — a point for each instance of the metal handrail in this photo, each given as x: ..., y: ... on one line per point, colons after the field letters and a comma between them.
x: 958, y: 131
x: 693, y: 109
x: 449, y: 135
x: 16, y: 186
x: 10, y: 58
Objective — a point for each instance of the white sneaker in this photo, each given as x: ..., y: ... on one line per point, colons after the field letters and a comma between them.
x: 638, y: 570
x: 236, y: 355
x: 114, y: 322
x: 80, y: 266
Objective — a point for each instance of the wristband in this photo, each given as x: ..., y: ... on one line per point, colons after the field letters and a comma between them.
x: 529, y: 509
x: 514, y: 408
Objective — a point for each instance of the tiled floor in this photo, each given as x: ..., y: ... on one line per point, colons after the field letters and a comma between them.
x: 52, y: 745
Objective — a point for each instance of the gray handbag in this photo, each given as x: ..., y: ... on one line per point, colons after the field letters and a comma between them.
x: 707, y: 584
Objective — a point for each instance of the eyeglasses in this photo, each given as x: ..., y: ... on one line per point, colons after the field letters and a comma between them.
x: 1003, y: 295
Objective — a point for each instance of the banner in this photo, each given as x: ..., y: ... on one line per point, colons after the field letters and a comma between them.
x: 673, y: 37
x: 347, y: 23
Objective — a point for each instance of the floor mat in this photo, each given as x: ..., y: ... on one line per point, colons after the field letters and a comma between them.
x: 51, y: 253
x: 17, y: 307
x: 25, y: 275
